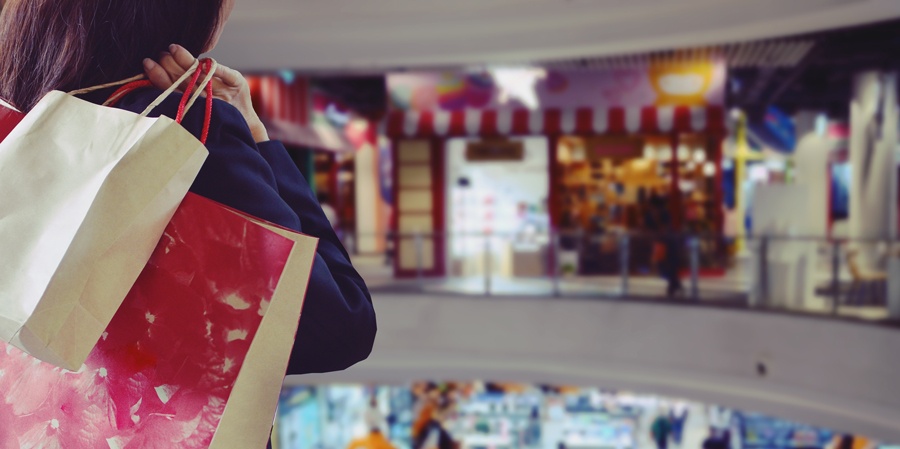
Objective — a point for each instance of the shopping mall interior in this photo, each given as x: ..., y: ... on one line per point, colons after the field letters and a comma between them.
x: 595, y: 224
x: 598, y: 224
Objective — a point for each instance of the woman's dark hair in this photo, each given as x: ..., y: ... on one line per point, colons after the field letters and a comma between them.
x: 71, y: 44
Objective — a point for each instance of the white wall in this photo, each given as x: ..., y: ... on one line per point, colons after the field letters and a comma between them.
x: 841, y: 375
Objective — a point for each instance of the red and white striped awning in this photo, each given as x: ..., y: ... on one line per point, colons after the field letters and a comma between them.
x: 651, y: 120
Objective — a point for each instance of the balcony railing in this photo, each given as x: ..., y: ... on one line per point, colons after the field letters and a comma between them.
x: 858, y: 279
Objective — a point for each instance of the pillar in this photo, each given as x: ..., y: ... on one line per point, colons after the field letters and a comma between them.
x: 872, y: 147
x: 873, y: 196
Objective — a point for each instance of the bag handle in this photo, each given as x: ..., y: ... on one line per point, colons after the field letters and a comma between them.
x: 209, y: 66
x: 187, y: 100
x: 194, y: 73
x: 190, y: 71
x: 127, y: 88
x: 104, y: 86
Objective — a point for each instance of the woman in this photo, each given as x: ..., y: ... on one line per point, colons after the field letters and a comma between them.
x: 70, y: 44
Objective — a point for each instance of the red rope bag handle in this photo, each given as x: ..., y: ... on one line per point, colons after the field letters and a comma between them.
x: 205, y: 67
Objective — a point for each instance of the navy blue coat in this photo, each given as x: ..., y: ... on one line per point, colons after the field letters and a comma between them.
x: 337, y: 327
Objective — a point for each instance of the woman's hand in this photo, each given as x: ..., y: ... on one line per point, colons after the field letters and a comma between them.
x: 228, y: 84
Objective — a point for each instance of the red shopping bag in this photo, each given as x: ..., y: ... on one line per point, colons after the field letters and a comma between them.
x: 9, y: 118
x: 193, y: 358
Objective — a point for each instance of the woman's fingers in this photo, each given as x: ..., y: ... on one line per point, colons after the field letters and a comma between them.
x: 173, y: 68
x: 181, y: 56
x: 229, y: 76
x: 227, y: 84
x: 157, y: 74
x: 178, y: 60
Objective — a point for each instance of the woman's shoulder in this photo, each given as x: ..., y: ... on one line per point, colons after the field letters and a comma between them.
x: 223, y: 113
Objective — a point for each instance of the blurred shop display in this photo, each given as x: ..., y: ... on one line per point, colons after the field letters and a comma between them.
x: 315, y: 129
x: 774, y: 129
x: 296, y: 114
x: 492, y: 415
x: 344, y: 416
x: 639, y: 185
x: 609, y: 140
x: 763, y: 432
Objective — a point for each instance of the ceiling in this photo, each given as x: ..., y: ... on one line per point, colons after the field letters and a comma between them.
x: 813, y: 71
x: 823, y: 79
x: 374, y: 35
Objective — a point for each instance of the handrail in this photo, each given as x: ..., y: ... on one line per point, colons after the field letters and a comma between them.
x: 847, y: 277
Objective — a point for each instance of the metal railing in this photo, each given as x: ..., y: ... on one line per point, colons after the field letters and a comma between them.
x: 840, y: 277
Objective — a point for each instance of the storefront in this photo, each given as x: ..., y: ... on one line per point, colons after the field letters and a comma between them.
x: 336, y: 150
x: 615, y: 140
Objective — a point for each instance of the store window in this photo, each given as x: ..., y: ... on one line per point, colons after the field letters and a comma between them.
x: 497, y: 210
x: 640, y: 186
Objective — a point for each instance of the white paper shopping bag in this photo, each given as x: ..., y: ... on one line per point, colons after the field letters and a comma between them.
x: 86, y: 193
x: 250, y: 411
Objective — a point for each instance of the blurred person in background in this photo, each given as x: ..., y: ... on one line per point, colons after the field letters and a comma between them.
x: 427, y: 398
x: 72, y: 44
x: 716, y: 440
x: 390, y: 249
x: 374, y: 440
x: 846, y: 441
x: 670, y: 265
x: 531, y: 434
x: 373, y: 416
x: 434, y: 434
x: 678, y: 416
x: 661, y: 430
x: 376, y: 426
x: 668, y: 248
x: 719, y: 418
